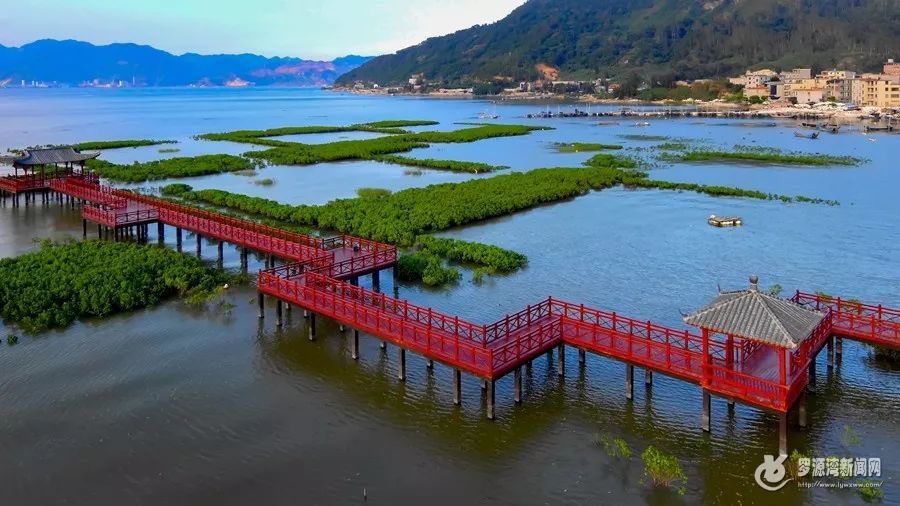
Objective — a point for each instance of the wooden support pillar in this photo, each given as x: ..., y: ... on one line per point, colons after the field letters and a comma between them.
x: 401, y: 368
x: 581, y: 357
x: 355, y: 281
x: 528, y: 368
x: 383, y: 345
x: 801, y: 410
x: 376, y: 280
x: 244, y: 260
x: 199, y: 245
x: 457, y: 387
x: 99, y: 231
x: 648, y: 378
x: 730, y: 406
x: 561, y: 363
x: 279, y: 312
x: 517, y: 385
x: 178, y: 239
x: 838, y: 349
x: 220, y: 261
x: 782, y: 434
x: 629, y: 382
x: 354, y: 345
x: 707, y: 404
x: 84, y: 228
x: 811, y: 385
x: 261, y: 301
x: 490, y: 399
x: 830, y: 351
x: 312, y: 326
x: 429, y: 364
x: 160, y: 232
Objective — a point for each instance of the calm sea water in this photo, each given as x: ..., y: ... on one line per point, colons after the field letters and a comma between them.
x: 174, y: 405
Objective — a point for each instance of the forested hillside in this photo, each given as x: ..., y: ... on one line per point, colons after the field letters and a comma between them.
x: 666, y: 38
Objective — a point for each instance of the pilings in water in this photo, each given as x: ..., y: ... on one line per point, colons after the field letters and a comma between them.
x: 707, y: 406
x: 629, y: 382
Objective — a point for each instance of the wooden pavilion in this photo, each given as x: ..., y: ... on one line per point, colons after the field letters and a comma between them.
x: 758, y: 348
x: 35, y: 168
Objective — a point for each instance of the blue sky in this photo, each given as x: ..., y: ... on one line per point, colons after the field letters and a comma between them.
x: 310, y: 29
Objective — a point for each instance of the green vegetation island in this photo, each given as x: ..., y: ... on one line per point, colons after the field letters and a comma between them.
x: 62, y: 282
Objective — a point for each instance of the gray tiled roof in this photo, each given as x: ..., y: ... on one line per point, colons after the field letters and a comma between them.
x: 49, y: 156
x: 757, y: 316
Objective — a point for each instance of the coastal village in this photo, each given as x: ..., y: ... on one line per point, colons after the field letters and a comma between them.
x: 800, y: 92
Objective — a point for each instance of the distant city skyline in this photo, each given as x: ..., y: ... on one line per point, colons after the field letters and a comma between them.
x: 312, y: 30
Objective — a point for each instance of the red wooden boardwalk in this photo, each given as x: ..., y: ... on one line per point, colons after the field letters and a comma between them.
x: 346, y: 257
x: 750, y: 373
x: 747, y: 373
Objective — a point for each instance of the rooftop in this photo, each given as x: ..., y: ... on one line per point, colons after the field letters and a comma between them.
x: 49, y: 156
x: 757, y: 316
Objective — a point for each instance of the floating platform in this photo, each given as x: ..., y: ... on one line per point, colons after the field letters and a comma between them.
x: 725, y: 221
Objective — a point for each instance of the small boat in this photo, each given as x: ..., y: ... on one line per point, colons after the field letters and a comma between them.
x: 870, y: 128
x: 832, y: 128
x: 804, y: 135
x: 724, y: 221
x: 809, y: 125
x: 642, y: 124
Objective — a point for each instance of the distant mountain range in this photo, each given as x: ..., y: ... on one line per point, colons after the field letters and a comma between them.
x: 74, y: 63
x: 676, y: 39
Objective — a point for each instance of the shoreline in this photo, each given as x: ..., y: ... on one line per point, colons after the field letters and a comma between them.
x: 673, y: 109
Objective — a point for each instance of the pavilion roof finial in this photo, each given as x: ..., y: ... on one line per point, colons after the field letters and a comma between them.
x: 754, y: 283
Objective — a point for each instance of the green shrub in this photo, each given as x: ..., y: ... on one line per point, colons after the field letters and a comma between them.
x: 264, y: 182
x: 663, y: 470
x: 373, y: 193
x: 100, y: 145
x: 425, y: 268
x: 12, y: 339
x: 492, y: 258
x: 582, y: 147
x: 615, y: 448
x: 175, y: 189
x: 766, y: 155
x: 449, y: 165
x: 61, y: 282
x: 170, y: 168
x: 871, y: 491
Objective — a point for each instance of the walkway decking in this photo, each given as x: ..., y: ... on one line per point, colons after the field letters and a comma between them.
x: 322, y: 278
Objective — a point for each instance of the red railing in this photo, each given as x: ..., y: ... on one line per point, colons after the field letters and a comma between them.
x: 868, y: 322
x: 15, y: 184
x: 676, y: 352
x: 355, y: 243
x: 83, y: 190
x: 747, y: 387
x: 385, y: 317
x: 359, y: 264
x: 114, y: 217
x: 303, y: 239
x: 227, y: 231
